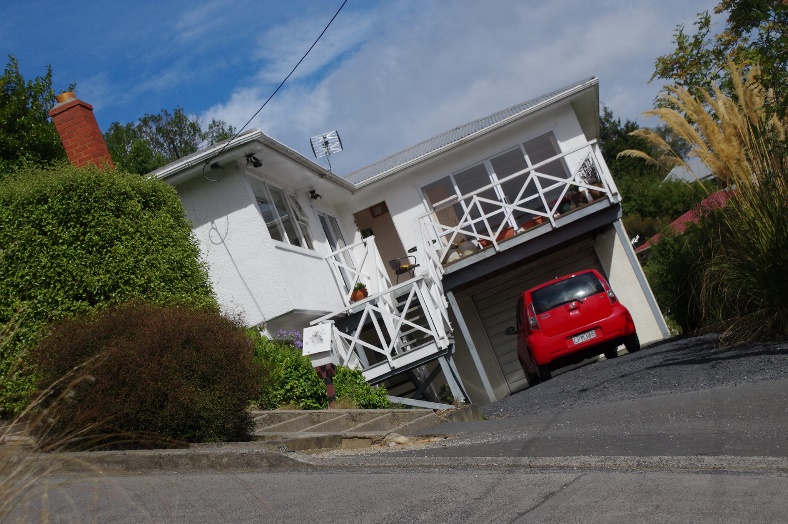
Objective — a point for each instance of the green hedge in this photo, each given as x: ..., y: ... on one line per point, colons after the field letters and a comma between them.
x: 73, y: 240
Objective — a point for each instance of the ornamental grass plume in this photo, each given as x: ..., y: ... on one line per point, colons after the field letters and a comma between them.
x: 743, y: 142
x: 23, y: 469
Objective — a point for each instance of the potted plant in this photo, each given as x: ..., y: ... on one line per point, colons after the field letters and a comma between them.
x: 359, y: 292
x: 589, y: 175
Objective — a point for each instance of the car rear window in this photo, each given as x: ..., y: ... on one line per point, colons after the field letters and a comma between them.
x: 577, y: 287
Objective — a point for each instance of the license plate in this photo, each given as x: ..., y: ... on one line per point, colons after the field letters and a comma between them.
x: 582, y: 337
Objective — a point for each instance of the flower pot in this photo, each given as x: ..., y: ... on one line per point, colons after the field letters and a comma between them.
x: 358, y: 294
x: 596, y: 194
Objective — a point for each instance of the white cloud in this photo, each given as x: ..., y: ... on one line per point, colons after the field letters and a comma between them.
x: 416, y: 70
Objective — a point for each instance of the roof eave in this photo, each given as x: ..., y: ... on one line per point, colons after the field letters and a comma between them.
x: 192, y: 166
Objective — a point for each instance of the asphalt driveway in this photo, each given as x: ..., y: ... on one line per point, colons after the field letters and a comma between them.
x: 684, y: 397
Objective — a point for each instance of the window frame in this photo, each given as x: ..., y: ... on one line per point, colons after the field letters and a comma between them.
x: 493, y: 176
x: 293, y: 214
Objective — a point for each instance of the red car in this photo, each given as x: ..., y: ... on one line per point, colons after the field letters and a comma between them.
x: 567, y: 320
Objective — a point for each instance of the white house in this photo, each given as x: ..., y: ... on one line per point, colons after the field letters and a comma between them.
x: 479, y: 213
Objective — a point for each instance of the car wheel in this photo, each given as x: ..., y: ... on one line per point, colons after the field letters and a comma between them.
x: 632, y: 343
x: 533, y: 378
x: 544, y: 372
x: 611, y: 353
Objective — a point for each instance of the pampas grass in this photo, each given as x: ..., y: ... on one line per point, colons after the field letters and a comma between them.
x: 744, y: 283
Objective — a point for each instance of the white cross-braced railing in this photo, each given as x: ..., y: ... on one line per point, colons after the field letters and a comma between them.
x: 485, y: 220
x: 404, y: 320
x: 368, y: 271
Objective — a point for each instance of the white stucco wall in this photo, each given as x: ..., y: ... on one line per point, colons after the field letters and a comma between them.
x: 625, y: 281
x: 236, y: 246
x: 252, y: 275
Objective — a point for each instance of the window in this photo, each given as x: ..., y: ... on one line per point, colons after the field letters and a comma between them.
x: 337, y: 242
x: 284, y: 217
x: 498, y: 168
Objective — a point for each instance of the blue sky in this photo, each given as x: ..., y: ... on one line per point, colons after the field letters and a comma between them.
x: 387, y: 74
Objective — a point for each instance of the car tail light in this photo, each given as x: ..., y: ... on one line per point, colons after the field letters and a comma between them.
x: 532, y: 322
x: 612, y: 296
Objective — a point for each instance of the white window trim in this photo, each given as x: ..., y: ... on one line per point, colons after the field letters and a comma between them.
x: 294, y: 212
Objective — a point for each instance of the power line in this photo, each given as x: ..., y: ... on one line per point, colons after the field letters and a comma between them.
x: 280, y: 85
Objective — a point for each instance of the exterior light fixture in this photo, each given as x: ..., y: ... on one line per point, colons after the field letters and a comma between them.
x: 314, y: 195
x: 251, y: 159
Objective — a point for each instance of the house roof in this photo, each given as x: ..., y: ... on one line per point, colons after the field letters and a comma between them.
x: 697, y: 171
x: 713, y: 201
x: 461, y: 134
x: 194, y: 164
x: 237, y: 147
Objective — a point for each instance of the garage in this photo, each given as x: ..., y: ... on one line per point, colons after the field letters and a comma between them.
x: 495, y: 299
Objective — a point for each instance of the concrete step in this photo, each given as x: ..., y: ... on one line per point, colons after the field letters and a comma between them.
x: 340, y: 420
x: 298, y: 430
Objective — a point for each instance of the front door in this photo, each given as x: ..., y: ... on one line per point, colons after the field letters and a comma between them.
x: 377, y: 221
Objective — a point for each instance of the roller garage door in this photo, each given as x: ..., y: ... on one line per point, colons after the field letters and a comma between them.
x: 496, y: 298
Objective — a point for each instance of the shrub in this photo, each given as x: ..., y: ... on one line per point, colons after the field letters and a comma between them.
x: 675, y: 272
x: 73, y: 240
x: 148, y: 376
x: 350, y: 384
x: 292, y: 382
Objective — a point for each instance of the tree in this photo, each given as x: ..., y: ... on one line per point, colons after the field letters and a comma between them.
x: 26, y: 133
x: 756, y: 32
x: 155, y: 140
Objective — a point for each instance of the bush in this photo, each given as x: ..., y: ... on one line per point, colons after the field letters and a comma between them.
x: 292, y: 382
x: 350, y: 384
x: 147, y: 376
x: 741, y: 251
x: 675, y: 272
x: 74, y: 240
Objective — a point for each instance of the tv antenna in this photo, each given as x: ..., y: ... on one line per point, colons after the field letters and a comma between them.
x: 325, y: 144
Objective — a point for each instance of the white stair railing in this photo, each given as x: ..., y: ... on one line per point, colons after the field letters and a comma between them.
x: 368, y: 271
x: 415, y: 322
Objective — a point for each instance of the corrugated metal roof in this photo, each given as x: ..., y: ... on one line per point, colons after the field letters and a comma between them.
x: 432, y: 145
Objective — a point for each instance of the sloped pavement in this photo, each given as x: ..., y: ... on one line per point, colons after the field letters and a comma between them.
x: 276, y: 434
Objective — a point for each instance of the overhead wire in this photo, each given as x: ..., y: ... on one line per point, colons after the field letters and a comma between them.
x: 207, y: 162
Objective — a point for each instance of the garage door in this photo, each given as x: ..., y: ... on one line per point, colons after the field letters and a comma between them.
x: 496, y: 298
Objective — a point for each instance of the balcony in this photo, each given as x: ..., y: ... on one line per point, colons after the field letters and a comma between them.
x: 461, y: 230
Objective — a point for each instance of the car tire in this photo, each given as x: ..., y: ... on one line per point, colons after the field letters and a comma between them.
x: 632, y: 343
x: 544, y: 372
x: 533, y: 378
x: 611, y: 353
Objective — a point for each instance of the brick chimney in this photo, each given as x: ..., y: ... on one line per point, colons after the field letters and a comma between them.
x: 79, y: 131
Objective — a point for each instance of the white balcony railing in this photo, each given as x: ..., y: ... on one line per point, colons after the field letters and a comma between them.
x: 396, y: 325
x: 524, y: 200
